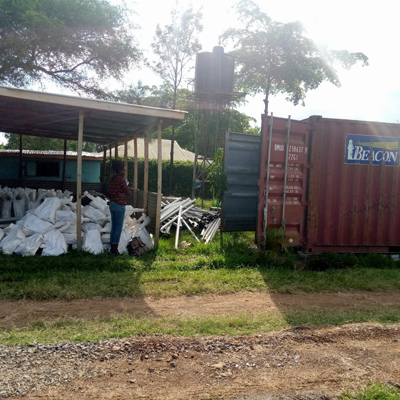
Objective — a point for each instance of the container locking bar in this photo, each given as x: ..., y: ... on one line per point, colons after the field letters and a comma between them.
x: 271, y: 122
x: 286, y: 173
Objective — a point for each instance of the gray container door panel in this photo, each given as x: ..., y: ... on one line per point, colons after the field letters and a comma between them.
x: 241, y: 163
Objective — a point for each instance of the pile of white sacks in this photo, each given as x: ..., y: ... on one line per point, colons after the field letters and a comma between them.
x: 52, y: 226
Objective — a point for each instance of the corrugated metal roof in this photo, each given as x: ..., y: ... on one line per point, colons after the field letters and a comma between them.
x: 52, y: 115
x: 179, y: 153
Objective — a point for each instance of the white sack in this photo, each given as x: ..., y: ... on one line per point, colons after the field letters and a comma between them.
x: 62, y: 226
x: 30, y: 194
x: 129, y: 210
x: 1, y: 234
x: 54, y: 243
x: 41, y: 194
x: 90, y: 226
x: 6, y: 209
x: 19, y: 203
x: 107, y: 228
x: 92, y: 242
x: 67, y: 194
x: 131, y: 225
x: 12, y: 241
x: 96, y: 202
x: 30, y: 246
x: 123, y: 241
x: 70, y: 238
x: 71, y: 229
x: 105, y: 238
x: 8, y: 229
x: 94, y: 214
x: 145, y: 237
x: 47, y: 210
x: 66, y: 215
x: 33, y: 224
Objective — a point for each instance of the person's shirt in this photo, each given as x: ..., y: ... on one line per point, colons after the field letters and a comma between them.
x: 118, y: 190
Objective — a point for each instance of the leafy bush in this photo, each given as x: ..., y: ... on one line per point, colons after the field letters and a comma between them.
x: 183, y: 177
x: 327, y: 261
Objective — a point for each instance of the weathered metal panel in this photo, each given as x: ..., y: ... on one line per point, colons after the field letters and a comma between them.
x: 151, y: 207
x: 288, y: 160
x: 241, y: 164
x: 354, y: 186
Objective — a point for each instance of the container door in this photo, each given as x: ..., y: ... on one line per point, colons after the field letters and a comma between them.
x: 241, y: 164
x: 283, y: 178
x: 354, y: 186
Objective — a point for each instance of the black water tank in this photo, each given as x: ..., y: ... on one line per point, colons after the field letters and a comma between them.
x: 214, y: 71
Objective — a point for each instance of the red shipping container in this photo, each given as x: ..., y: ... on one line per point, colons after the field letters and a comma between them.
x: 342, y: 184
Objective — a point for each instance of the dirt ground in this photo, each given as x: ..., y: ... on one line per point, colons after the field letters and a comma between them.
x: 20, y: 313
x: 297, y: 363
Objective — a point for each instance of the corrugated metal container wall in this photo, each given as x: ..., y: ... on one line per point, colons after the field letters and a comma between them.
x: 354, y: 186
x: 241, y: 165
x: 288, y: 161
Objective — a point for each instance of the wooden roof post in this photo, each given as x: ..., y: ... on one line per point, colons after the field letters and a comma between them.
x: 64, y: 165
x: 79, y: 183
x: 20, y: 161
x: 104, y: 163
x: 159, y: 186
x: 135, y: 172
x: 116, y: 151
x: 126, y: 158
x: 110, y: 170
x: 146, y: 170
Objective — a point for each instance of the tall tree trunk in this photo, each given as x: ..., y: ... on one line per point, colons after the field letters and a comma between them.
x: 267, y: 95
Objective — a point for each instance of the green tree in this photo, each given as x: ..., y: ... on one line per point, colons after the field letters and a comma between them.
x: 154, y: 96
x: 274, y: 57
x: 175, y: 44
x: 42, y: 143
x: 184, y: 133
x: 217, y: 176
x: 73, y: 43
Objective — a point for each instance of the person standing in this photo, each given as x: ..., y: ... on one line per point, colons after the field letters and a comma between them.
x: 118, y: 191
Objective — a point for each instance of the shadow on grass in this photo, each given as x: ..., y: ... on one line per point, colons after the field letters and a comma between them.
x: 72, y: 276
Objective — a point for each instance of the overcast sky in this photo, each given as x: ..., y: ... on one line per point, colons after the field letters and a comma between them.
x: 369, y: 93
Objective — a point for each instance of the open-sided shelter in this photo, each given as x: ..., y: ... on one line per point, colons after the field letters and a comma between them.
x: 107, y: 123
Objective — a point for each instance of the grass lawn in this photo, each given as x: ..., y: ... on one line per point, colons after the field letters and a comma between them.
x: 227, y: 265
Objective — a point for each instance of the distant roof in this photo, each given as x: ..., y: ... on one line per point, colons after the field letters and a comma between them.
x: 179, y: 153
x: 53, y: 115
x: 49, y: 153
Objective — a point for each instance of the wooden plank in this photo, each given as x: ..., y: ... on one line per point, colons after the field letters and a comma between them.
x: 64, y: 165
x: 20, y: 160
x: 159, y: 186
x: 135, y: 173
x: 146, y: 171
x: 110, y: 165
x: 79, y: 182
x: 126, y: 159
x: 116, y: 151
x: 104, y: 163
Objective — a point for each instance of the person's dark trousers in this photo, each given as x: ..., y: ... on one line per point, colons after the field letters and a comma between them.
x: 117, y: 221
